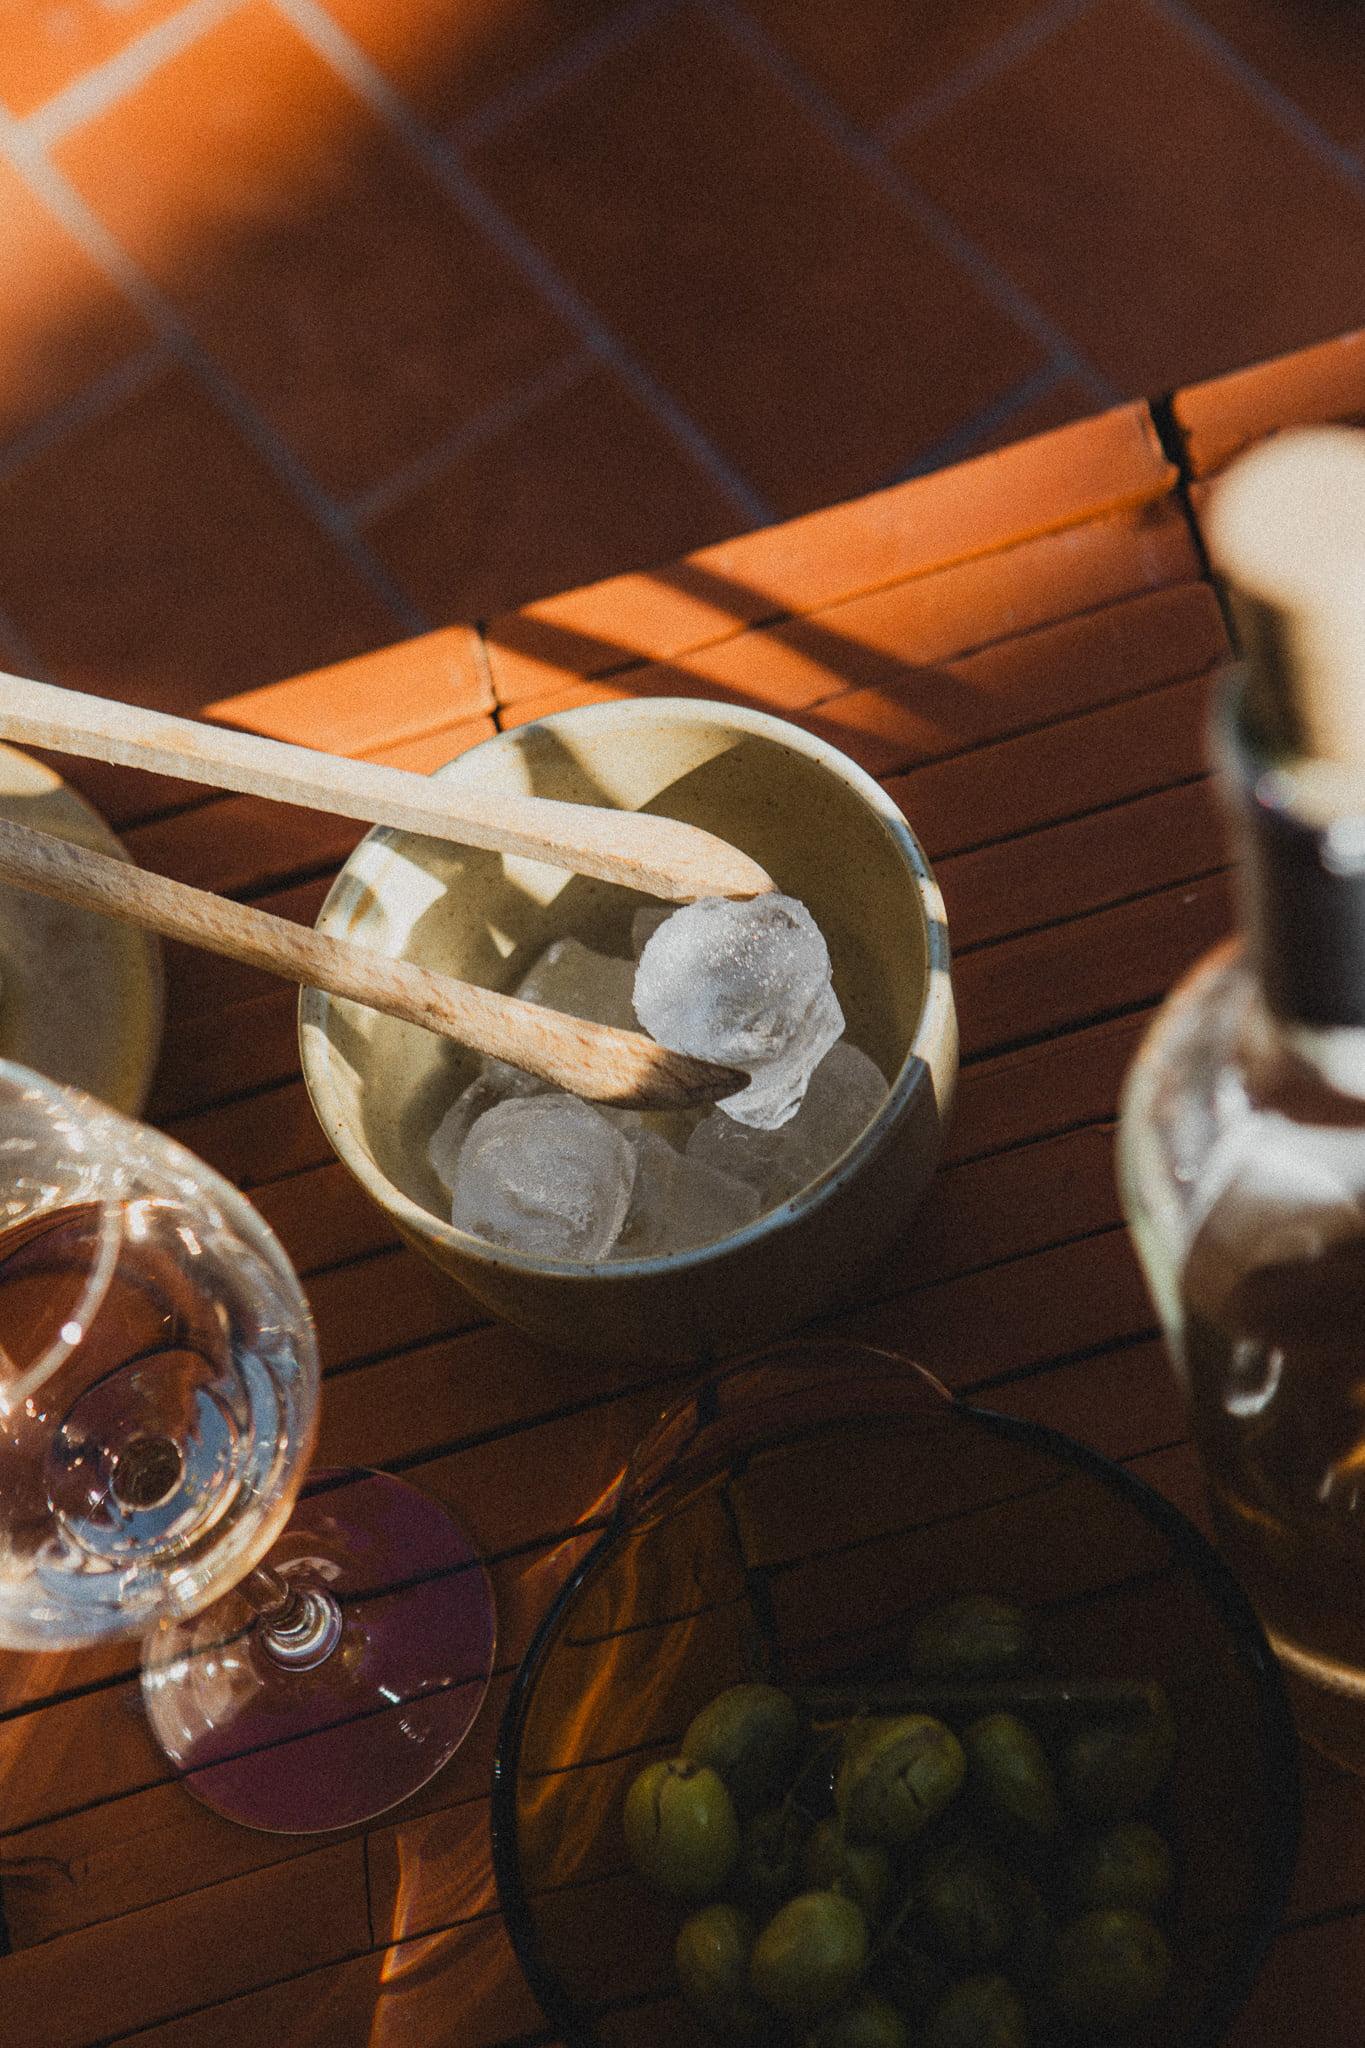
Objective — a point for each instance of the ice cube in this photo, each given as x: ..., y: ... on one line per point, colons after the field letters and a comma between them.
x: 747, y: 984
x: 737, y: 1150
x: 545, y: 1174
x: 572, y: 977
x: 677, y: 1203
x: 844, y: 1094
x: 846, y: 1091
x: 569, y: 976
x: 496, y: 1083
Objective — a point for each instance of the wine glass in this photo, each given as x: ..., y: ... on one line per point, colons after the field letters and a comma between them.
x: 312, y: 1654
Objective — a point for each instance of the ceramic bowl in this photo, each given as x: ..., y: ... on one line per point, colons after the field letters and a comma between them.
x: 828, y: 834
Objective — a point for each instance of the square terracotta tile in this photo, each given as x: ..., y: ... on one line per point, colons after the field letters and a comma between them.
x: 453, y: 59
x: 152, y: 555
x: 1312, y: 51
x: 1057, y: 405
x: 45, y: 44
x: 1149, y: 202
x: 783, y: 297
x: 321, y: 264
x: 587, y: 483
x: 64, y: 323
x: 884, y: 56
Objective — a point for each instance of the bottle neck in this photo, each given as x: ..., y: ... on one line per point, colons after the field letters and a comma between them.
x: 1303, y: 891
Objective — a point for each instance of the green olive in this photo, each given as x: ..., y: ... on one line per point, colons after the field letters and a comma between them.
x: 976, y: 1636
x: 712, y: 1954
x: 868, y: 2023
x: 978, y: 2012
x: 810, y: 1955
x: 966, y: 1904
x: 1112, y: 1769
x: 897, y: 1776
x: 1010, y: 1778
x: 770, y: 1856
x: 1109, y: 1968
x: 750, y: 1735
x: 1128, y: 1865
x: 861, y: 1870
x: 680, y: 1828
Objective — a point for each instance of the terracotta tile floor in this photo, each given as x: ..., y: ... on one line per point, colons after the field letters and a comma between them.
x: 327, y: 321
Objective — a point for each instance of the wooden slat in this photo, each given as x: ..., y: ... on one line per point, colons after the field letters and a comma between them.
x: 199, y: 983
x: 1311, y: 386
x: 463, y: 1985
x: 1021, y: 683
x: 1112, y: 960
x: 208, y: 1944
x: 273, y: 1134
x: 1080, y: 764
x: 1060, y: 480
x: 1086, y: 864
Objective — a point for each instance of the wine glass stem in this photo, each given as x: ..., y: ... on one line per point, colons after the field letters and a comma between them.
x: 298, y: 1623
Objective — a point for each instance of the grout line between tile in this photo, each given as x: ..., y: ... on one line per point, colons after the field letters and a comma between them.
x: 1345, y: 162
x: 564, y: 69
x: 124, y: 381
x: 474, y: 433
x: 25, y: 155
x: 990, y: 280
x: 105, y: 84
x: 317, y: 27
x: 1011, y: 48
x: 957, y: 445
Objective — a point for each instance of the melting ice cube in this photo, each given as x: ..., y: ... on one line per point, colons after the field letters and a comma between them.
x: 677, y: 1203
x: 845, y: 1092
x: 545, y: 1174
x: 748, y: 985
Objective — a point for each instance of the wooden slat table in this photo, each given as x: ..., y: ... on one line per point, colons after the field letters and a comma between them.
x: 1020, y: 648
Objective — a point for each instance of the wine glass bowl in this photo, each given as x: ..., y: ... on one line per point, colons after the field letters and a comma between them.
x: 158, y: 1374
x: 789, y: 1521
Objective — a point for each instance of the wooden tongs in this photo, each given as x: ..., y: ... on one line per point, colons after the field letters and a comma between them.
x: 659, y: 856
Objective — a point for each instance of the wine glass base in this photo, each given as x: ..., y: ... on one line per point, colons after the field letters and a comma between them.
x: 300, y: 1747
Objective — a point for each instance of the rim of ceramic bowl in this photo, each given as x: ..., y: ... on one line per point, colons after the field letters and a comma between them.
x: 1281, y: 1819
x: 935, y: 1025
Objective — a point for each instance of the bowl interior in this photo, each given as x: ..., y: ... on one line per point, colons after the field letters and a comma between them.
x: 787, y: 1523
x: 486, y: 917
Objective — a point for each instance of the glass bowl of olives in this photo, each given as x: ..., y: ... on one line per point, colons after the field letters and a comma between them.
x: 878, y: 1720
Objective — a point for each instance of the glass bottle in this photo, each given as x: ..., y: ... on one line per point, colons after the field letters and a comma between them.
x: 1242, y: 1124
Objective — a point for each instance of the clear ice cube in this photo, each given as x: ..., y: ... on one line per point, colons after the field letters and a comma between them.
x: 845, y: 1092
x: 571, y: 977
x: 737, y: 1150
x: 545, y: 1174
x: 747, y: 984
x: 677, y: 1203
